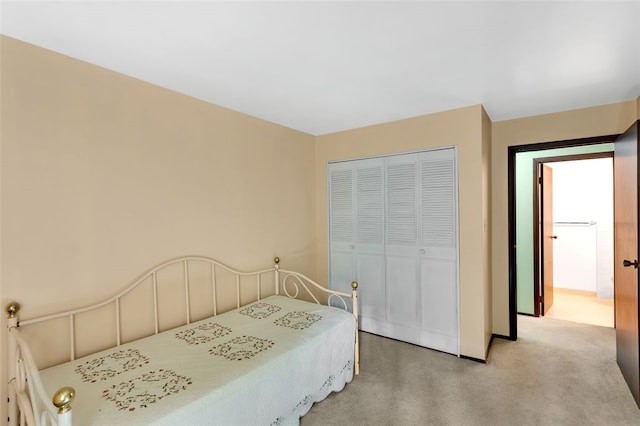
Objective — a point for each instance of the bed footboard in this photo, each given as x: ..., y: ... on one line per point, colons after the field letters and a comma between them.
x: 26, y: 393
x: 291, y: 283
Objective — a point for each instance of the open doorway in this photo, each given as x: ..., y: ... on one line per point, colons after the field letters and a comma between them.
x: 573, y: 239
x: 523, y: 264
x: 626, y: 184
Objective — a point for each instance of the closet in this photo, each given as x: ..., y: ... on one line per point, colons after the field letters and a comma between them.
x: 393, y: 226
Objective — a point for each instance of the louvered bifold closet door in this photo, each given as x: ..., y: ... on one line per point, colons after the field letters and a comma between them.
x: 370, y: 243
x: 357, y: 233
x: 402, y: 304
x: 341, y: 226
x: 394, y: 227
x: 438, y: 243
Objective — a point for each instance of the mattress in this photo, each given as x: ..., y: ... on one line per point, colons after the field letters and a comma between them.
x: 265, y: 363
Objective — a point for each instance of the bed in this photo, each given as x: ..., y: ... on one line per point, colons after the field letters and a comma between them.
x: 266, y: 361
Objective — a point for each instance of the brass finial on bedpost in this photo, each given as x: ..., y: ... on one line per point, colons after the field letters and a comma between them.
x: 276, y: 270
x: 12, y: 309
x: 354, y: 285
x: 63, y: 399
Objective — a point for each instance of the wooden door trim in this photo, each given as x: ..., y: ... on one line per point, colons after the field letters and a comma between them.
x: 537, y: 259
x: 511, y: 213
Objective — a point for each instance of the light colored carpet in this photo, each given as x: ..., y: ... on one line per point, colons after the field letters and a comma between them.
x: 557, y: 373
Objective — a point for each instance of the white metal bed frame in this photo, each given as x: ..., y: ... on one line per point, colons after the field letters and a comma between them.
x: 28, y: 402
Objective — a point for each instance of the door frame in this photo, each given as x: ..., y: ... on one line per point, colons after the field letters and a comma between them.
x: 511, y: 207
x: 538, y: 253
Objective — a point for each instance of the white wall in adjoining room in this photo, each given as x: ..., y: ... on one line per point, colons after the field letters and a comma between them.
x: 583, y: 222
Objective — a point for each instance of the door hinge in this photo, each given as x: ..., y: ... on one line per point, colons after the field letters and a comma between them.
x: 540, y: 299
x: 540, y: 180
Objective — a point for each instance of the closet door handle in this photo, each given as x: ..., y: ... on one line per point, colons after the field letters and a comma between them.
x: 422, y: 251
x: 626, y: 263
x: 353, y: 246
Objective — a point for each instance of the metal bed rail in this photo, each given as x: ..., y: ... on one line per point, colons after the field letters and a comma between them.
x: 26, y: 392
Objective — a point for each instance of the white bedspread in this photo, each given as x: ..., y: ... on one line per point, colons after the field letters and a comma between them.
x: 263, y: 364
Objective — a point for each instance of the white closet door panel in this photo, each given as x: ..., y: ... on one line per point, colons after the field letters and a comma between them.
x: 370, y: 272
x: 341, y: 205
x: 448, y: 253
x: 439, y: 251
x: 357, y: 230
x: 400, y: 192
x: 373, y: 325
x: 401, y: 234
x: 369, y: 205
x: 438, y: 200
x: 441, y: 342
x: 405, y: 334
x: 401, y: 288
x: 343, y: 247
x: 438, y: 154
x: 439, y: 305
x: 370, y: 237
x: 439, y: 296
x: 342, y: 272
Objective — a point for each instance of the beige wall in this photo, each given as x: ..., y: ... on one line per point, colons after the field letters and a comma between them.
x: 461, y: 128
x: 103, y: 176
x: 581, y: 123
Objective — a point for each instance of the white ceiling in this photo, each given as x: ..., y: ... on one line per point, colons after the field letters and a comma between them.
x: 322, y: 67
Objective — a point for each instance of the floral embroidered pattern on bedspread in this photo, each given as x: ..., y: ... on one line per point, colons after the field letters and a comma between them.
x: 203, y: 333
x: 155, y: 380
x: 305, y: 401
x: 259, y: 310
x: 308, y: 400
x: 111, y: 365
x: 146, y: 389
x: 241, y: 348
x: 297, y: 320
x: 332, y: 378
